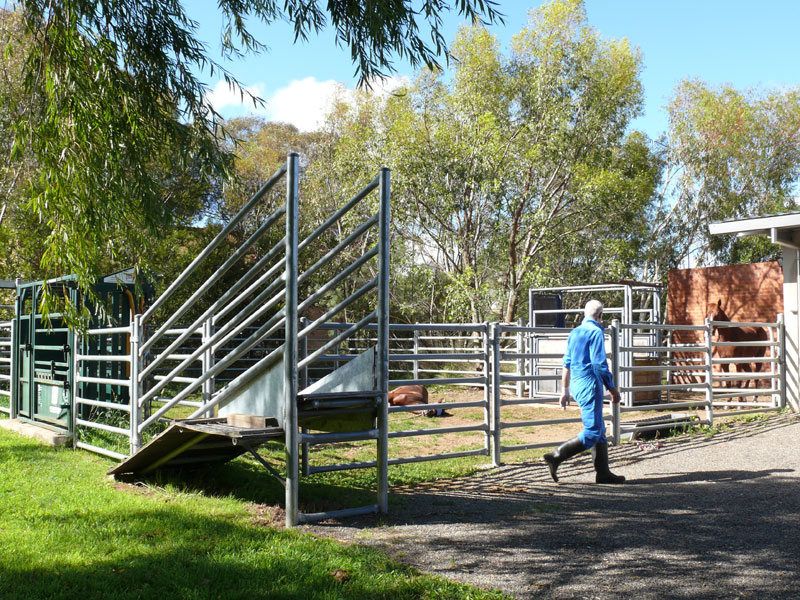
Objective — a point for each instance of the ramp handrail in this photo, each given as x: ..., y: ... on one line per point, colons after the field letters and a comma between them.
x: 206, y: 252
x: 261, y: 289
x: 219, y: 308
x: 359, y: 231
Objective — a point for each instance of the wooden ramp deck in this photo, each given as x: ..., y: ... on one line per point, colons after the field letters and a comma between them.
x: 195, y: 441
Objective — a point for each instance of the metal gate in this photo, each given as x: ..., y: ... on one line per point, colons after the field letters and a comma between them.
x: 44, y: 371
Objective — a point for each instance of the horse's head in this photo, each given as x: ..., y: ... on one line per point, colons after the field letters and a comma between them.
x: 716, y: 313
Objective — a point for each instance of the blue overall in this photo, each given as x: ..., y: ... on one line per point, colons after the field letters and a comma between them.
x: 586, y: 360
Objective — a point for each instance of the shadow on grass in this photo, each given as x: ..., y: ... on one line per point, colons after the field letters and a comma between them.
x: 163, y: 554
x: 244, y: 479
x: 66, y: 534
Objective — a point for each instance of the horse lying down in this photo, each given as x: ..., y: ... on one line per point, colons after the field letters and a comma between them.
x: 409, y: 395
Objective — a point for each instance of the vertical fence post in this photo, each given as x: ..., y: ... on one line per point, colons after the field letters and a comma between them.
x: 416, y: 354
x: 781, y: 364
x: 496, y: 425
x: 383, y: 342
x: 657, y: 306
x: 615, y: 408
x: 533, y: 366
x: 625, y: 359
x: 290, y: 346
x: 135, y: 386
x: 627, y: 340
x: 487, y: 388
x: 14, y: 356
x: 669, y: 365
x: 709, y: 348
x: 520, y: 361
x: 73, y: 417
x: 772, y: 337
x: 657, y: 315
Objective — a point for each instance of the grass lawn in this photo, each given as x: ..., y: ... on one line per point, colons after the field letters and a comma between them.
x: 68, y: 531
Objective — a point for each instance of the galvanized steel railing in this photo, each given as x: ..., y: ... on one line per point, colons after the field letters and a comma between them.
x: 510, y: 350
x: 684, y: 369
x: 263, y: 303
x: 6, y: 337
x: 520, y: 355
x: 375, y: 247
x: 658, y: 370
x: 266, y: 278
x: 465, y: 355
x: 414, y: 350
x: 101, y: 415
x: 773, y: 359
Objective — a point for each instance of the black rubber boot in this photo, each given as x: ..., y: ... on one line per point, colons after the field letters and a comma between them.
x: 563, y: 452
x: 600, y: 460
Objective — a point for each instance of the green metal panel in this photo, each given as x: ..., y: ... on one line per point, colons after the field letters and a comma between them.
x: 22, y: 353
x: 51, y: 364
x: 43, y: 352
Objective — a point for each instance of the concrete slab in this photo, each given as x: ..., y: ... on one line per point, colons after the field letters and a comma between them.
x: 47, y: 436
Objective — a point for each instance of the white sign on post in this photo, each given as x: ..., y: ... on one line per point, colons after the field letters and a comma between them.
x: 126, y: 276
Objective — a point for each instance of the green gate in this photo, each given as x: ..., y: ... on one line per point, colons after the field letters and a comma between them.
x: 43, y: 351
x: 43, y: 357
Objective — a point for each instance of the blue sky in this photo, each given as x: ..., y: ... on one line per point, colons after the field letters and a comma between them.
x: 747, y: 44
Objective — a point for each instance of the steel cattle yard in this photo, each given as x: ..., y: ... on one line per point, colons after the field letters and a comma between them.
x: 254, y: 366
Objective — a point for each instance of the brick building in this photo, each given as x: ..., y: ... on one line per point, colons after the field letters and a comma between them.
x: 751, y: 292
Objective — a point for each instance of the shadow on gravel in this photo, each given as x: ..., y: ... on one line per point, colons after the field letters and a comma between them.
x: 730, y: 533
x: 708, y: 476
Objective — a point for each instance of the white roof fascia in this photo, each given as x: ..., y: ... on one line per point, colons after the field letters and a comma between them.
x: 756, y: 224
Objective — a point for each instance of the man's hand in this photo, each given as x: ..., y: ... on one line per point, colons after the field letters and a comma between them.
x: 614, y: 395
x: 564, y: 400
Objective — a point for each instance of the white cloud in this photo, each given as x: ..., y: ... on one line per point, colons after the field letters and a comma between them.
x: 388, y: 85
x: 303, y: 102
x: 223, y: 96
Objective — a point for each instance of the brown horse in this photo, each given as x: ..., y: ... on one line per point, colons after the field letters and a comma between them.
x: 738, y: 334
x: 409, y: 395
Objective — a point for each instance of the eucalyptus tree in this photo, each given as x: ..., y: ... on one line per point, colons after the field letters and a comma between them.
x: 113, y: 83
x: 728, y: 154
x: 513, y: 161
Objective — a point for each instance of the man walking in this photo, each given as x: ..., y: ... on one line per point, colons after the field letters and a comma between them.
x: 585, y: 365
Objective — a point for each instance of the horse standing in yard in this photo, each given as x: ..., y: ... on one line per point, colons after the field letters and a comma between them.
x: 739, y: 334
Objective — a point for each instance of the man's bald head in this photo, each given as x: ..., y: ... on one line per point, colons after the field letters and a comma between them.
x: 593, y: 309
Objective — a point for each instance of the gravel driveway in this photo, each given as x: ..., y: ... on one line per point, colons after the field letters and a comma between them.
x: 699, y: 518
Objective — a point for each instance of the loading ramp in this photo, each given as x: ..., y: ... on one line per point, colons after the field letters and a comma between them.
x: 196, y: 442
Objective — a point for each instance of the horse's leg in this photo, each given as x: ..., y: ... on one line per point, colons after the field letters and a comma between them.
x: 759, y: 366
x: 726, y: 383
x: 745, y: 368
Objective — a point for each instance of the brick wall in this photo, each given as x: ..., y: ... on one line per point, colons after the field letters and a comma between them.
x: 752, y: 292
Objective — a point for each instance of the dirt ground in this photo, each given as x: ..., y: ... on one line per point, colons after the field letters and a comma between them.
x: 440, y: 443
